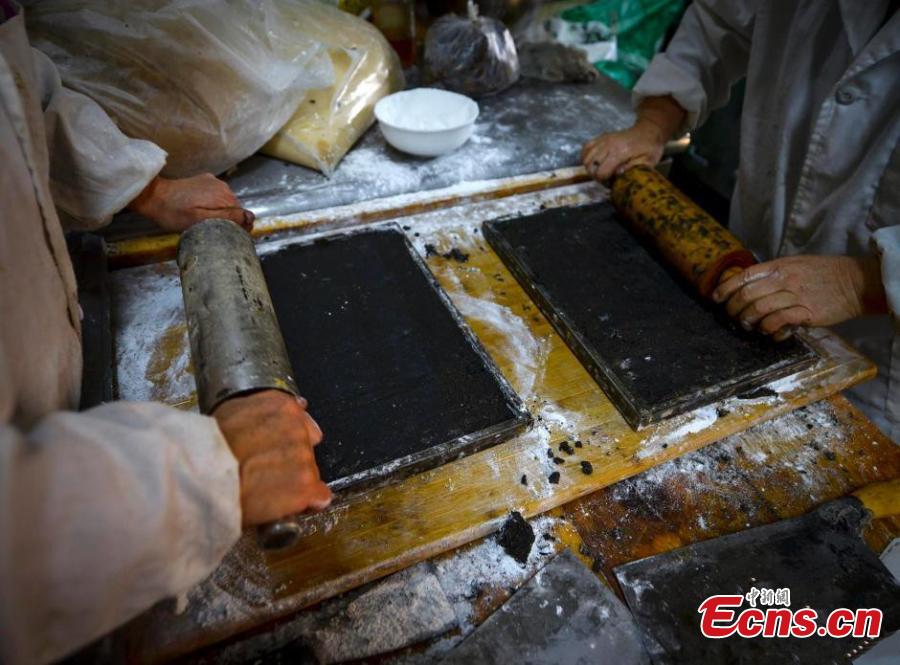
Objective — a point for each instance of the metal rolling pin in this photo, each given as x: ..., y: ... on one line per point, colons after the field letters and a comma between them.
x: 236, y: 344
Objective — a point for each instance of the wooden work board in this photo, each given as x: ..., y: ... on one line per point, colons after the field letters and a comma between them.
x: 368, y: 535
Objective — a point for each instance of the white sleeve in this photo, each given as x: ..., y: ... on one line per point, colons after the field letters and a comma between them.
x: 102, y: 514
x: 885, y: 240
x: 707, y: 55
x: 887, y: 245
x: 95, y: 170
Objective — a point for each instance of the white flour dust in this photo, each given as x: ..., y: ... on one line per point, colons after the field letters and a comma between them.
x: 527, y: 352
x: 815, y: 434
x: 690, y: 423
x: 152, y: 353
x: 465, y: 572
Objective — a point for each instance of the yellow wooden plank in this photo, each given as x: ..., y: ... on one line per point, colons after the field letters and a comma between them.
x: 365, y: 536
x: 154, y: 248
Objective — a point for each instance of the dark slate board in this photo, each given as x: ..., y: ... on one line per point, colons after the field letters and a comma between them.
x: 393, y: 376
x: 821, y: 557
x: 564, y: 615
x: 653, y: 346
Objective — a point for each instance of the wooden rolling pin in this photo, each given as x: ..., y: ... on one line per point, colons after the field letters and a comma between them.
x: 695, y: 244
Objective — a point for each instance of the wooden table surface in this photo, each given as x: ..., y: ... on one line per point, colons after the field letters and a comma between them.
x: 367, y: 536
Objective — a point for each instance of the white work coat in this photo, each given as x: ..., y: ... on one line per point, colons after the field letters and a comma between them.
x: 104, y: 512
x: 819, y: 164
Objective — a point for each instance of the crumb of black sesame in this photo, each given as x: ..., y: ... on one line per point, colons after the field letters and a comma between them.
x: 587, y: 468
x: 553, y: 478
x: 524, y: 479
x: 559, y: 460
x: 566, y: 447
x: 578, y: 444
x: 550, y: 453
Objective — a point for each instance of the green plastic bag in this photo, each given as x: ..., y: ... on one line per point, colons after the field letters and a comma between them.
x: 638, y: 26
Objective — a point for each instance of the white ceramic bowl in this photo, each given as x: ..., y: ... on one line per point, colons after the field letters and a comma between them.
x: 426, y: 121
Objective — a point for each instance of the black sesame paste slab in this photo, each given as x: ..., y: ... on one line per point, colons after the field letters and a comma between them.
x: 654, y: 347
x: 393, y: 375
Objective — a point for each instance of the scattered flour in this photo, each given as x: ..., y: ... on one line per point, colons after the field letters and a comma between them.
x: 677, y: 428
x: 815, y: 428
x: 528, y: 353
x: 663, y: 434
x: 404, y: 609
x: 464, y: 573
x: 785, y: 385
x: 424, y: 602
x: 235, y: 589
x: 151, y: 343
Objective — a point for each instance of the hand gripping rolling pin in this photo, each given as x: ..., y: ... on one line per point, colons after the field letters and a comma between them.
x: 696, y: 245
x: 236, y: 344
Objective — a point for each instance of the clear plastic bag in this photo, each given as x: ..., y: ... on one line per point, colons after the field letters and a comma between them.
x: 474, y: 55
x: 330, y: 120
x: 208, y: 81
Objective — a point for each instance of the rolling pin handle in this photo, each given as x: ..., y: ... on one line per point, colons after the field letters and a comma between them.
x: 279, y: 535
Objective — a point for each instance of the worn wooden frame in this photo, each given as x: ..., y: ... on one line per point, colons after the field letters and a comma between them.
x: 637, y: 414
x: 471, y: 442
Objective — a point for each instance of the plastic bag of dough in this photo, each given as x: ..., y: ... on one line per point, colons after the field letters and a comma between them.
x: 475, y: 55
x: 209, y: 82
x: 330, y: 120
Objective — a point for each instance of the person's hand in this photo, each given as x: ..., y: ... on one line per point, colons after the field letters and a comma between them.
x: 175, y: 205
x: 777, y: 295
x: 658, y: 119
x: 616, y: 152
x: 272, y: 436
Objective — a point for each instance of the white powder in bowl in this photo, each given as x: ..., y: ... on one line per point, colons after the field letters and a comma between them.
x: 426, y: 109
